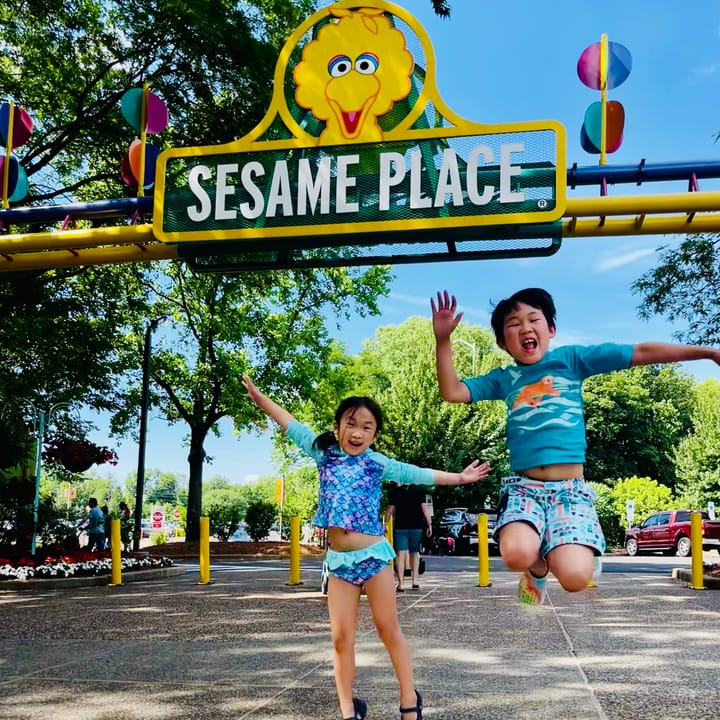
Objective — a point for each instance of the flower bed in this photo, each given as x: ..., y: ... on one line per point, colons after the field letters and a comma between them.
x: 75, y: 565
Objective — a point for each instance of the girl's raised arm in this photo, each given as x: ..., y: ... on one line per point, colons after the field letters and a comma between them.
x: 279, y: 414
x: 471, y: 474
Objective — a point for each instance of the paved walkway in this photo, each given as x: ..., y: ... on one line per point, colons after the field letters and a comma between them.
x: 249, y: 646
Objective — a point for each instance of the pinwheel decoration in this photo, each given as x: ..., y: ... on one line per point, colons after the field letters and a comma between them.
x: 15, y: 127
x: 603, y: 66
x: 146, y: 113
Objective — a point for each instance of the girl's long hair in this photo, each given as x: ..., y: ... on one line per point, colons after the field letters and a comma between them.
x: 349, y: 404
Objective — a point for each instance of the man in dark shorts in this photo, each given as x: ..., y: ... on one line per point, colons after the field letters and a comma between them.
x: 411, y: 519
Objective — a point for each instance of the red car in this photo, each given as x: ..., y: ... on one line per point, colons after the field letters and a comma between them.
x: 669, y: 531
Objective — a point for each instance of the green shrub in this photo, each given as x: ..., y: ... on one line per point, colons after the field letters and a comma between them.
x: 224, y: 517
x: 158, y: 538
x: 608, y: 515
x: 648, y: 496
x: 259, y: 518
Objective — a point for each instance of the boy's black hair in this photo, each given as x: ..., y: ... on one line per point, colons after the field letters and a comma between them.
x: 534, y: 297
x: 351, y: 404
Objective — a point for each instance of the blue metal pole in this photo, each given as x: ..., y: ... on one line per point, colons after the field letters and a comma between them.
x: 40, y: 419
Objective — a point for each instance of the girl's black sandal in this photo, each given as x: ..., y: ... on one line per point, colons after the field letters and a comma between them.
x: 417, y: 709
x: 360, y: 707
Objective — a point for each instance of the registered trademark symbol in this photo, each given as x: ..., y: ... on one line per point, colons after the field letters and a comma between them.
x: 542, y: 204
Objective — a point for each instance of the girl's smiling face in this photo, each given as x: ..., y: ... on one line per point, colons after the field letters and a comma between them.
x: 357, y: 430
x: 526, y: 334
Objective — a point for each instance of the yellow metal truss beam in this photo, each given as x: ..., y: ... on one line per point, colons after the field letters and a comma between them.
x: 677, y: 213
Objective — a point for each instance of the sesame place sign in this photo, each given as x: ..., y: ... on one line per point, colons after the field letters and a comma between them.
x: 358, y: 141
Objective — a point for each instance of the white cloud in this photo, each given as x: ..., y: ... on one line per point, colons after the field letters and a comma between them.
x: 619, y: 260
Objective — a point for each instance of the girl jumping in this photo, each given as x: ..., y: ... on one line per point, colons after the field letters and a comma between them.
x: 351, y: 475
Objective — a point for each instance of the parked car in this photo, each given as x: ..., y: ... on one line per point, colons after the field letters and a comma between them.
x: 669, y: 531
x: 454, y: 533
x: 492, y: 522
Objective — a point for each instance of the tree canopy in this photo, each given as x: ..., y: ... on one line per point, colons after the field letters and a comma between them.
x: 685, y: 286
x: 635, y: 419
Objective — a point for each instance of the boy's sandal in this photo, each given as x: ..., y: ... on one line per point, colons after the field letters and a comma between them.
x: 417, y: 709
x: 360, y: 707
x: 415, y: 587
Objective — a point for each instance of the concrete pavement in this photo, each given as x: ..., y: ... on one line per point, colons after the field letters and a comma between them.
x: 249, y: 646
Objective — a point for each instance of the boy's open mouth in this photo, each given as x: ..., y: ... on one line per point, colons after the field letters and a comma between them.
x: 529, y: 344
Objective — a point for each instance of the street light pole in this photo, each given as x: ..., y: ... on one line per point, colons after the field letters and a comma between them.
x: 41, y: 420
x: 472, y: 347
x: 144, y: 407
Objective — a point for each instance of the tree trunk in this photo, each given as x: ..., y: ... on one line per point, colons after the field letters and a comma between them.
x: 196, y: 458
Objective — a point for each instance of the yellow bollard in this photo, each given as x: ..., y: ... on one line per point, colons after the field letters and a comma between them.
x: 294, y: 551
x: 483, y: 552
x: 696, y: 574
x: 389, y: 536
x: 115, y: 552
x: 204, y: 578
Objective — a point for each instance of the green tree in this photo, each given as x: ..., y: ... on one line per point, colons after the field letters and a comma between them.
x: 697, y: 457
x: 161, y: 488
x: 648, y: 496
x: 302, y: 485
x: 225, y: 508
x: 635, y: 419
x: 686, y: 286
x: 259, y: 517
x: 271, y: 325
x: 211, y: 62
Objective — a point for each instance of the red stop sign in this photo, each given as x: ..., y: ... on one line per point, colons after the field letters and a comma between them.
x: 157, y: 516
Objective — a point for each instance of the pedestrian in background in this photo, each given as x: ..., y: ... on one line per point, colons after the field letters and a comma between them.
x: 94, y: 526
x: 125, y: 526
x: 406, y: 504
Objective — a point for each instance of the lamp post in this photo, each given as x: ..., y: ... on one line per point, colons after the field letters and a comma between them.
x: 145, y: 404
x: 472, y: 347
x: 41, y: 420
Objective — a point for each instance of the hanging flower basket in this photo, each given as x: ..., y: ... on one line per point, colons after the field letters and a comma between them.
x: 78, y: 455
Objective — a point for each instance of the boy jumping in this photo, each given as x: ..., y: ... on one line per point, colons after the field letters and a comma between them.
x: 546, y: 518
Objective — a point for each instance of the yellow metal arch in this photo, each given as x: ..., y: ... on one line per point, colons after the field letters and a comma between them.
x: 676, y: 213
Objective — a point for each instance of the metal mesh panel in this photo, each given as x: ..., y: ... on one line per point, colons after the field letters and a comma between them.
x: 240, y: 257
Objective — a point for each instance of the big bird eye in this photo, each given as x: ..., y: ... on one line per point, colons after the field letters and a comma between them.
x: 367, y: 63
x: 340, y: 65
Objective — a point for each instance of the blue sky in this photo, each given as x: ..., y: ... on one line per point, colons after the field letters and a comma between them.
x: 512, y: 62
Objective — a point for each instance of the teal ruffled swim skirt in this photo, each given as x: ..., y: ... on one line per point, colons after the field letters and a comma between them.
x: 358, y: 566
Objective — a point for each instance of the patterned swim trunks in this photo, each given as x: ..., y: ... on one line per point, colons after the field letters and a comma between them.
x: 562, y: 512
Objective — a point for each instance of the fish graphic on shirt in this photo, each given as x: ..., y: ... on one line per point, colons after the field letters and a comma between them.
x: 534, y: 394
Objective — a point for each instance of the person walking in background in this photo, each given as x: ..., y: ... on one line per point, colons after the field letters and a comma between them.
x: 546, y: 518
x: 351, y: 475
x: 125, y: 526
x: 94, y: 526
x: 406, y: 505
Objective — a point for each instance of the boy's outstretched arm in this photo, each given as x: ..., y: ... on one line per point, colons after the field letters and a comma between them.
x: 471, y: 474
x: 650, y: 353
x: 445, y: 320
x: 281, y: 416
